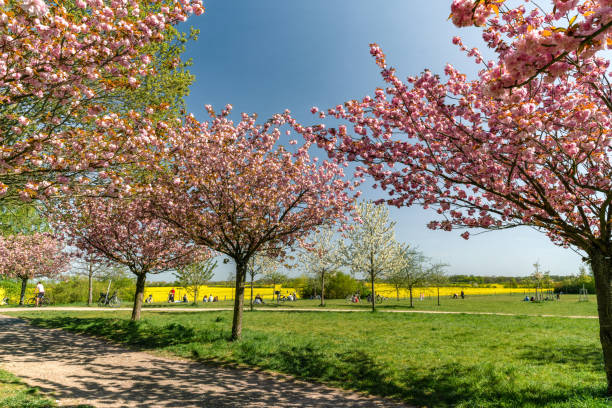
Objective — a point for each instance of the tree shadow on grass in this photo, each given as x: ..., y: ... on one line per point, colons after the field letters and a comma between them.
x: 482, y: 385
x: 566, y: 354
x: 487, y: 385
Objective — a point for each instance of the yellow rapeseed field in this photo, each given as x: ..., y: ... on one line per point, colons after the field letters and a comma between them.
x: 387, y: 290
x: 160, y: 294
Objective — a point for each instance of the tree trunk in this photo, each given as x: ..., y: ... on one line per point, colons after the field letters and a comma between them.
x: 322, y: 289
x: 601, y: 264
x: 140, y: 287
x: 90, y: 286
x: 373, y: 295
x: 410, y: 290
x: 397, y: 292
x: 24, y: 283
x: 438, y: 296
x: 195, y: 295
x: 252, y: 277
x: 239, y: 300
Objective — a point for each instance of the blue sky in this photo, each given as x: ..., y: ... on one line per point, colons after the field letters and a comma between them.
x: 269, y: 55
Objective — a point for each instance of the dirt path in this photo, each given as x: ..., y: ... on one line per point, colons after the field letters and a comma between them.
x: 76, y: 369
x: 276, y: 309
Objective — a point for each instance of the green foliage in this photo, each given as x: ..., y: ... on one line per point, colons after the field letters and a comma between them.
x: 21, y: 218
x: 573, y: 284
x: 338, y: 286
x: 423, y: 360
x: 75, y: 289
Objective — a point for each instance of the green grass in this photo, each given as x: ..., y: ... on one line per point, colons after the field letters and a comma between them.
x: 15, y: 394
x: 423, y: 359
x: 567, y: 306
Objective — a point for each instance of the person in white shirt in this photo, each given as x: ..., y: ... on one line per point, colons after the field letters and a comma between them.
x: 40, y: 289
x: 210, y: 298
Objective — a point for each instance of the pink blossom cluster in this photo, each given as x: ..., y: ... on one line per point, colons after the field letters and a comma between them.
x: 540, y: 156
x: 231, y: 187
x: 32, y: 256
x: 122, y: 231
x: 530, y: 41
x: 56, y: 59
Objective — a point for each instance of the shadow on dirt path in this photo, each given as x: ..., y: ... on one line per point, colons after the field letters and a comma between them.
x: 76, y: 369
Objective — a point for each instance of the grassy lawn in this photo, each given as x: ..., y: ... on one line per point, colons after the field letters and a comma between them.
x: 424, y: 359
x: 567, y: 306
x: 15, y: 394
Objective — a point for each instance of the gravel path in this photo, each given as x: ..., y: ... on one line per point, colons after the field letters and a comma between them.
x: 76, y: 369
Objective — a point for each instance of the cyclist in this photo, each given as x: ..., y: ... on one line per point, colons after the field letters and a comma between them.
x: 40, y: 289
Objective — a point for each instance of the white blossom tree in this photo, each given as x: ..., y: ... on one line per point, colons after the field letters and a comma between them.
x: 372, y: 249
x: 321, y: 256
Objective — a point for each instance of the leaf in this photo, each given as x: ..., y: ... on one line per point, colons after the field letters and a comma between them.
x: 573, y: 19
x: 546, y: 33
x: 495, y: 9
x: 450, y: 16
x: 609, y: 41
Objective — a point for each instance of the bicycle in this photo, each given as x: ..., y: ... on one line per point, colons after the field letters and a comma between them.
x: 105, y: 300
x: 43, y: 301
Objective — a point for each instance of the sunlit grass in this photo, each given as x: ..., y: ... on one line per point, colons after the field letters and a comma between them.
x: 424, y: 359
x: 15, y: 394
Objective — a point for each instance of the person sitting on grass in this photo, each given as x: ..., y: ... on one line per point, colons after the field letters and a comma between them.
x: 185, y: 299
x: 149, y: 299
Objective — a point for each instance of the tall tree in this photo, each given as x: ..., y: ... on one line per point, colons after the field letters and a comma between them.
x: 91, y: 266
x: 321, y: 256
x: 372, y: 249
x: 525, y: 143
x: 436, y: 277
x: 122, y: 232
x: 412, y: 271
x: 228, y: 186
x: 194, y: 275
x: 31, y: 256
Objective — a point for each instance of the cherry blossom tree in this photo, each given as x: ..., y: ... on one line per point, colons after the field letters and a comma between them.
x: 31, y: 256
x: 123, y: 232
x: 321, y: 256
x: 372, y: 249
x: 231, y: 187
x: 525, y: 143
x: 61, y: 62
